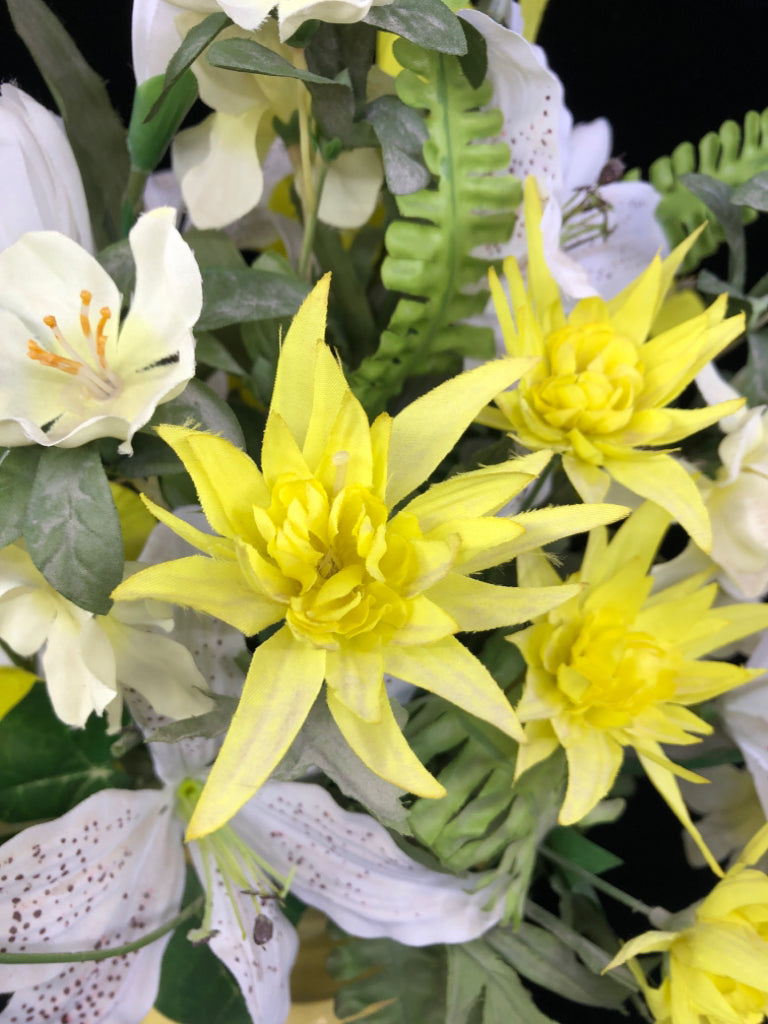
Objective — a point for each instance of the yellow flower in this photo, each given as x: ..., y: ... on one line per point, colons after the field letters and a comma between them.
x: 716, y: 971
x: 311, y: 538
x: 617, y: 666
x: 599, y: 391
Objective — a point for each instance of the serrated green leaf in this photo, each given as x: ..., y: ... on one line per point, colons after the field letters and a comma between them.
x: 149, y: 138
x: 195, y: 986
x: 232, y: 296
x: 428, y: 23
x: 411, y: 982
x: 17, y: 473
x: 716, y: 196
x: 72, y: 528
x: 478, y: 977
x: 753, y: 193
x: 93, y: 128
x: 46, y: 768
x: 200, y: 407
x: 249, y: 56
x: 192, y: 45
x: 402, y: 133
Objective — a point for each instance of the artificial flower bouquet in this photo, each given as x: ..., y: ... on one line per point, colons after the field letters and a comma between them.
x: 374, y: 526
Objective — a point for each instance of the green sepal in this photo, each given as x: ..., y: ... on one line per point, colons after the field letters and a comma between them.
x: 17, y: 473
x: 72, y: 529
x: 149, y: 138
x: 93, y: 128
x: 46, y: 768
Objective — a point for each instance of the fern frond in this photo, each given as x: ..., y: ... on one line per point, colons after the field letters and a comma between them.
x: 732, y: 155
x: 429, y: 251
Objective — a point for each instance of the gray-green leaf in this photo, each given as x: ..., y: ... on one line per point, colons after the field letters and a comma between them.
x: 17, y: 473
x: 193, y: 44
x: 250, y: 56
x: 232, y: 296
x: 428, y: 23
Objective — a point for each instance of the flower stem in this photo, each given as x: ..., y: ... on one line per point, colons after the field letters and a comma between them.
x: 105, y: 954
x: 656, y: 915
x: 132, y: 200
x: 310, y: 223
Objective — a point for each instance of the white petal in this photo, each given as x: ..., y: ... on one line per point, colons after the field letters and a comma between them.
x: 293, y: 13
x: 102, y: 875
x: 589, y: 147
x: 348, y: 866
x: 247, y: 13
x: 154, y: 37
x: 42, y: 189
x: 262, y: 970
x: 351, y: 189
x: 28, y: 605
x: 219, y: 168
x: 79, y: 667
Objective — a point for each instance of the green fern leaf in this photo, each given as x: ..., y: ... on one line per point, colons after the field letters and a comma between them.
x: 429, y: 250
x: 732, y: 155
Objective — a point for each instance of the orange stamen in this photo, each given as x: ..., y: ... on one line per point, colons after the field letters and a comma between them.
x: 85, y: 323
x: 41, y: 355
x: 101, y: 338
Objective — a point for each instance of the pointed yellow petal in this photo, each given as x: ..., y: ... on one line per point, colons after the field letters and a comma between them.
x: 543, y: 525
x: 381, y: 432
x: 639, y: 537
x: 383, y: 748
x: 483, y: 542
x: 346, y: 456
x: 15, y: 684
x: 477, y: 606
x: 207, y: 585
x: 534, y: 569
x: 648, y: 942
x: 449, y: 670
x: 208, y: 543
x: 280, y: 452
x: 281, y: 686
x: 503, y: 313
x: 227, y: 481
x: 426, y: 623
x: 294, y: 391
x: 594, y: 759
x: 590, y: 482
x: 355, y: 675
x: 731, y: 622
x: 543, y: 291
x: 660, y: 478
x: 330, y: 390
x: 633, y: 311
x: 427, y: 429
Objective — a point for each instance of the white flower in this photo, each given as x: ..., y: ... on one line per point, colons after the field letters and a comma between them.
x: 87, y: 659
x: 71, y: 372
x: 745, y: 713
x: 121, y: 874
x: 42, y: 189
x: 597, y: 237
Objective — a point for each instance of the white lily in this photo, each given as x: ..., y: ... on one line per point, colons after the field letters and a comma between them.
x: 42, y: 189
x: 72, y: 373
x: 87, y: 659
x: 291, y: 14
x: 345, y: 864
x: 597, y: 237
x: 745, y: 712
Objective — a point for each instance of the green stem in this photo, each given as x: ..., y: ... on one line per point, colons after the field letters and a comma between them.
x: 105, y: 954
x: 656, y: 915
x: 132, y: 200
x: 310, y: 223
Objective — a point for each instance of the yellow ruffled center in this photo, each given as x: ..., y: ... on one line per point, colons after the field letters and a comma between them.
x: 608, y: 672
x: 98, y: 380
x: 590, y: 383
x: 336, y: 560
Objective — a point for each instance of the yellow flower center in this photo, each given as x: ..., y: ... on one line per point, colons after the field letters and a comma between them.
x: 99, y: 381
x: 342, y: 568
x: 591, y: 383
x: 611, y: 673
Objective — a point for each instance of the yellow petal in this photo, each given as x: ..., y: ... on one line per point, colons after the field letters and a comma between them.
x: 594, y: 759
x: 329, y: 391
x: 648, y: 942
x: 280, y: 452
x: 484, y: 541
x: 346, y: 457
x: 590, y: 482
x: 542, y: 288
x: 208, y: 543
x: 281, y: 686
x: 633, y: 311
x: 543, y: 525
x: 639, y: 536
x: 136, y: 522
x: 427, y: 429
x: 383, y: 748
x: 730, y: 622
x: 294, y: 392
x: 355, y: 676
x: 448, y: 669
x: 476, y: 605
x: 659, y: 478
x: 207, y: 585
x: 15, y: 684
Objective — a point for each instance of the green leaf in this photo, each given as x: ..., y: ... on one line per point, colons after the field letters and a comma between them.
x: 716, y: 196
x: 752, y: 381
x: 195, y: 986
x: 72, y: 528
x: 232, y: 296
x: 93, y: 128
x: 149, y: 138
x: 192, y: 45
x: 411, y: 982
x: 546, y: 960
x: 248, y: 55
x: 478, y: 977
x: 582, y: 851
x: 117, y: 259
x: 753, y: 193
x: 200, y: 407
x: 209, y: 725
x: 474, y: 63
x: 402, y: 133
x: 211, y: 352
x: 428, y: 23
x: 17, y: 473
x: 214, y: 248
x: 46, y: 768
